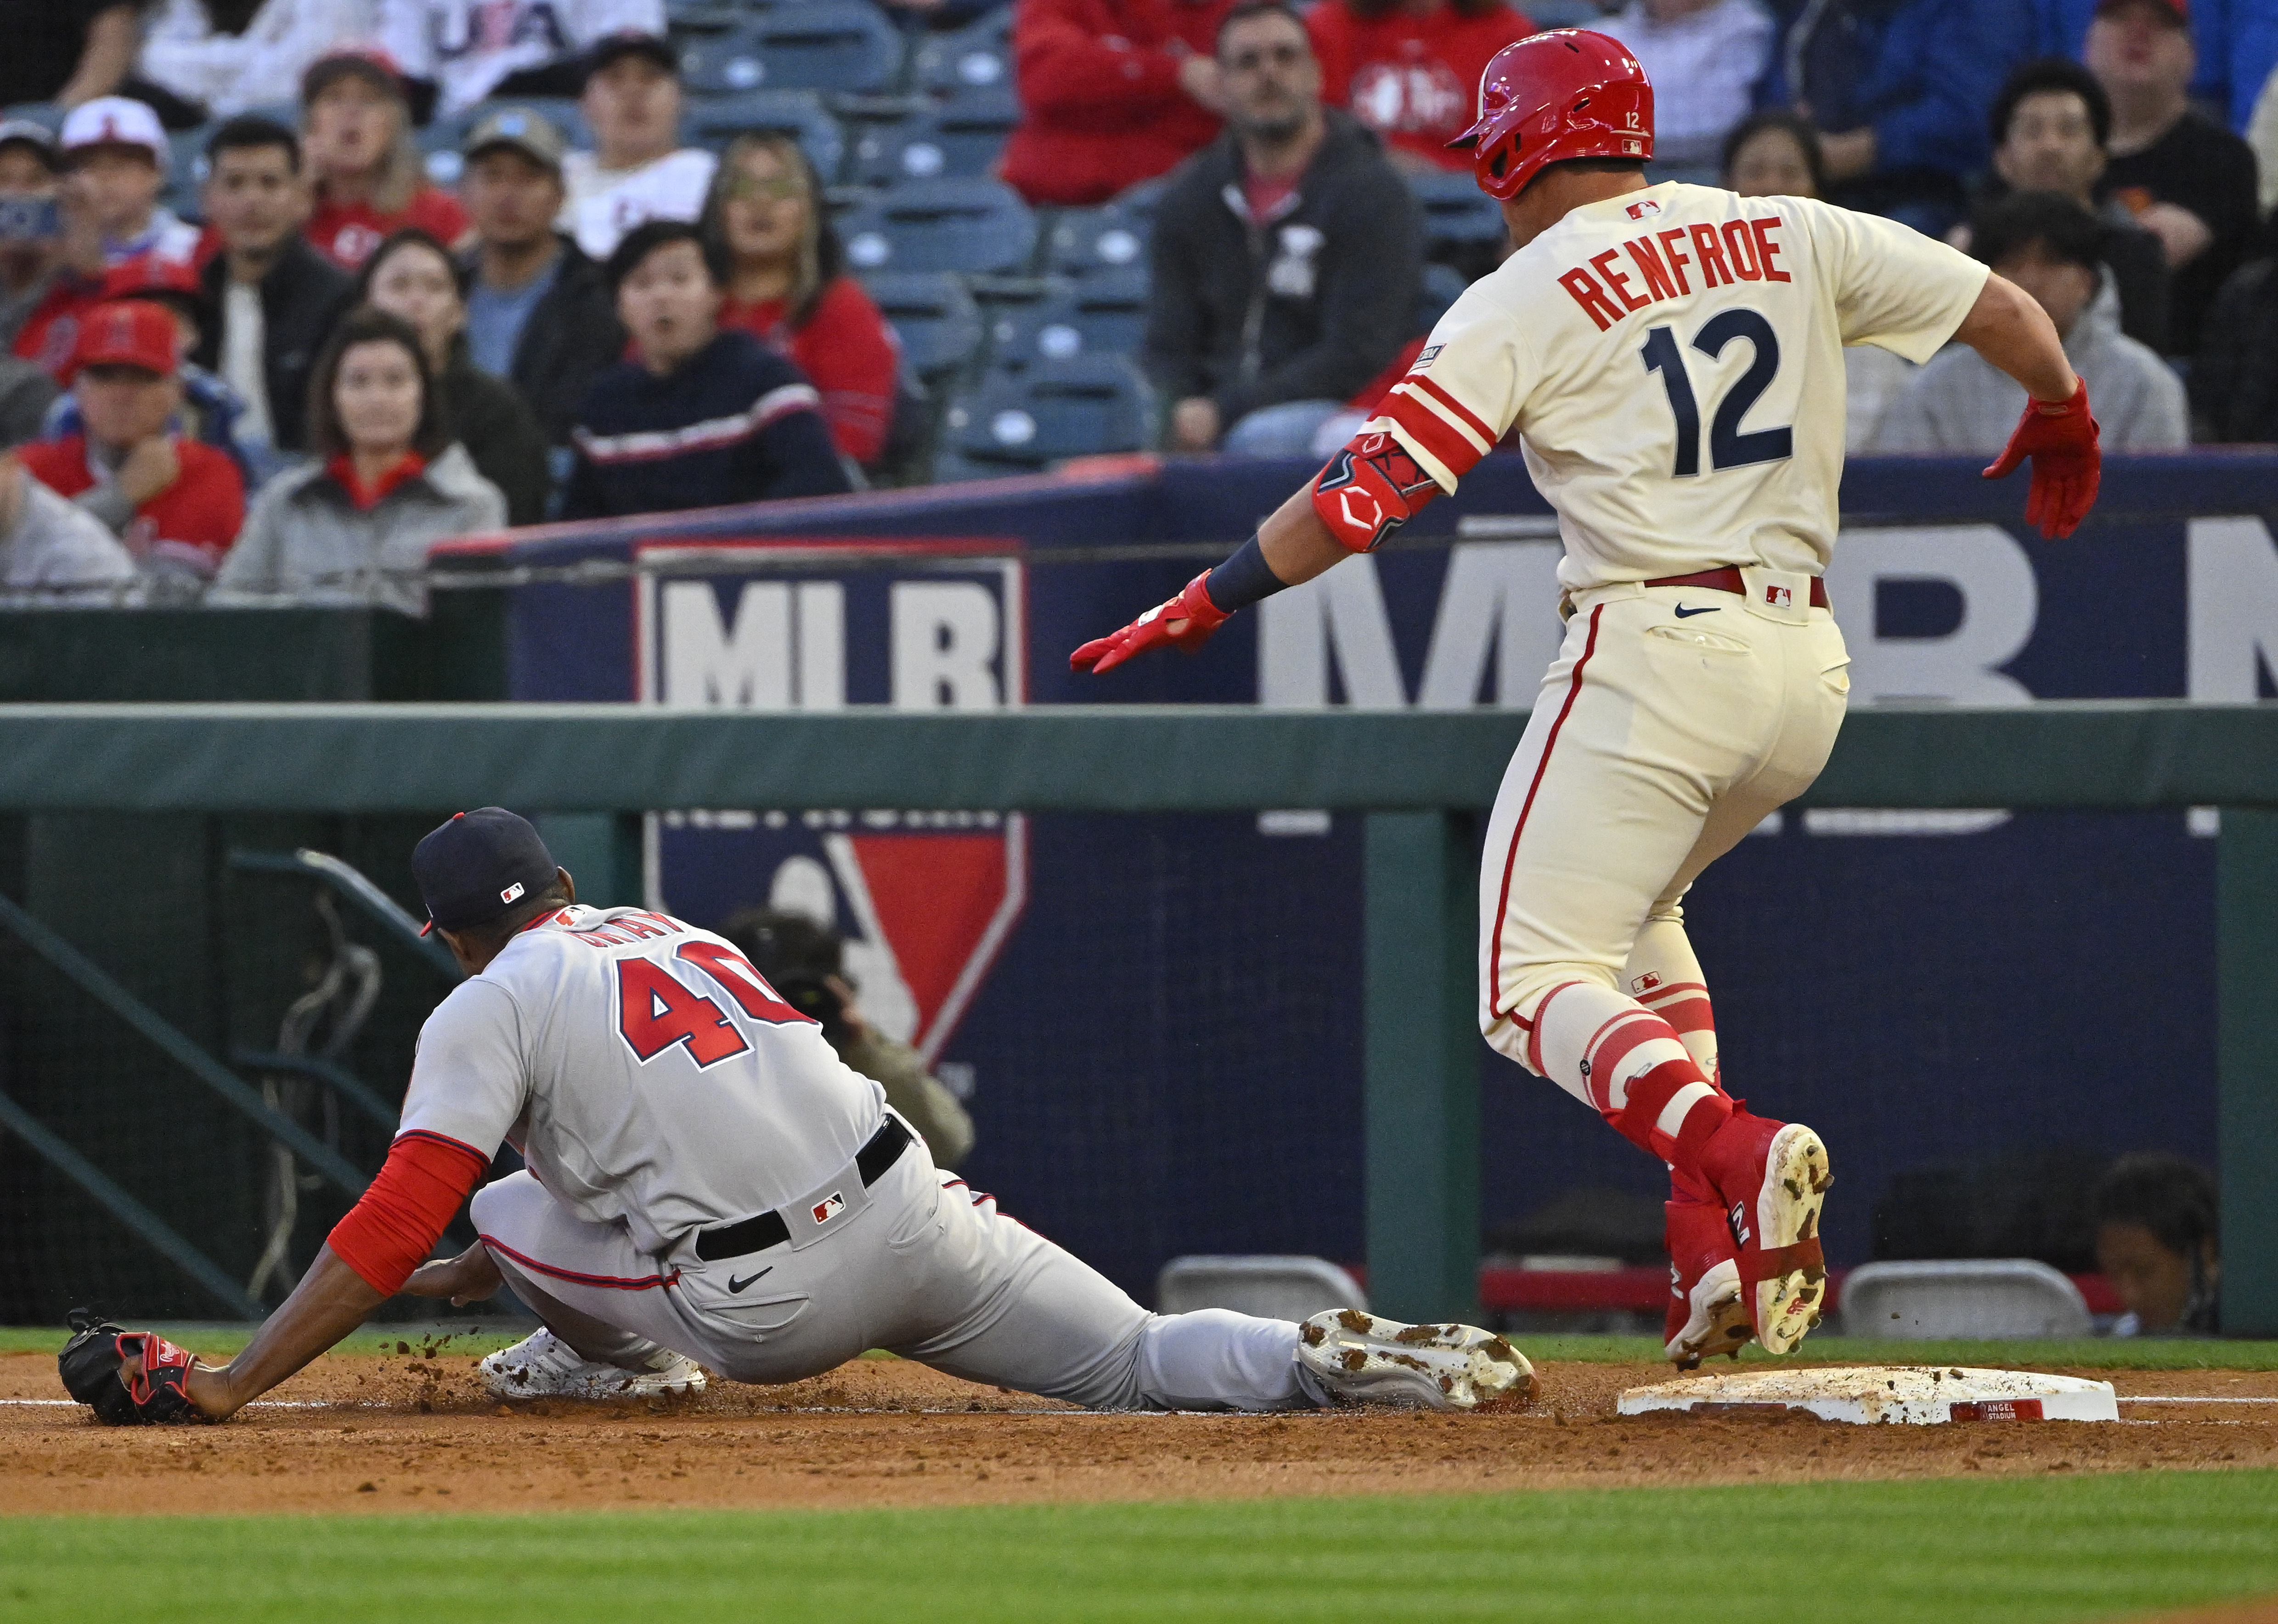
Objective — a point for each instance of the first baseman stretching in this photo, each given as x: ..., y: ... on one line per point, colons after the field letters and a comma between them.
x: 704, y: 1177
x: 1670, y: 358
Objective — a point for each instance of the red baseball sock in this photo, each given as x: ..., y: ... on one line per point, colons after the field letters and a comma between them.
x: 1630, y: 1064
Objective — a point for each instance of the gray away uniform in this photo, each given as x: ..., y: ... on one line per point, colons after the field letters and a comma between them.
x: 657, y: 1088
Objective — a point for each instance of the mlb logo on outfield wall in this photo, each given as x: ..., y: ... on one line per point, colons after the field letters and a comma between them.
x: 924, y: 900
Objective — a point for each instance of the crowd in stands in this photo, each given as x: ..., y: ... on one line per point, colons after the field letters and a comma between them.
x: 291, y: 289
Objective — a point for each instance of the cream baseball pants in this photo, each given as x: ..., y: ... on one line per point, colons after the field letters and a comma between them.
x: 1674, y: 719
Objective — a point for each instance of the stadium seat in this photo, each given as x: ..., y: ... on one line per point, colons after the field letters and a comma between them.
x: 975, y: 226
x: 1020, y: 421
x: 1105, y: 313
x: 977, y: 57
x: 1456, y: 214
x: 1090, y: 241
x: 1566, y: 13
x: 1990, y: 1298
x: 815, y: 45
x: 689, y: 20
x: 935, y: 319
x: 714, y: 120
x: 1280, y: 1288
x: 965, y: 137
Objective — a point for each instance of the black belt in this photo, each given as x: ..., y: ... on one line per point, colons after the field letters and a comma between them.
x: 768, y: 1229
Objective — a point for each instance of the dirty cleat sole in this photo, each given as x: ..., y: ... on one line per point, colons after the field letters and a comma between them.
x: 1361, y: 1358
x: 1780, y: 1257
x: 542, y: 1366
x: 1719, y: 1324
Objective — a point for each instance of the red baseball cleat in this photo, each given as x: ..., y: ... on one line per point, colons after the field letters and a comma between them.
x: 1772, y: 1178
x: 1707, y: 1315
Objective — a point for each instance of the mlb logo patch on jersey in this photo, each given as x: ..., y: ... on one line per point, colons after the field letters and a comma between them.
x: 1779, y: 596
x: 1646, y: 982
x: 829, y: 1207
x: 1424, y: 356
x: 1641, y: 210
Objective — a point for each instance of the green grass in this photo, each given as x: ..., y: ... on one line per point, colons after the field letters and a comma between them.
x: 224, y: 1340
x: 2043, y: 1551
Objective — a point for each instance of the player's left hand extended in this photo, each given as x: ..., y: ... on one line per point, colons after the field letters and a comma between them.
x: 1186, y: 623
x: 2068, y: 466
x: 130, y: 1378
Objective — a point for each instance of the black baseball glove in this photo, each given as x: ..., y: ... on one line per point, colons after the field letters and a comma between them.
x: 93, y: 1366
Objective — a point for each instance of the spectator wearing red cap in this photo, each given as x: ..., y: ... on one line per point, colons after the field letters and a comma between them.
x: 211, y: 409
x: 368, y: 181
x: 2187, y: 179
x: 175, y: 503
x: 1112, y: 92
x: 1410, y: 69
x: 637, y: 170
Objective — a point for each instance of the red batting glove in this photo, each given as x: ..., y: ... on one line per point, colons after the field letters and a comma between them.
x: 2067, y: 464
x: 1186, y: 623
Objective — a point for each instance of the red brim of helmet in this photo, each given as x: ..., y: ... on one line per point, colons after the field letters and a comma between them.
x: 1464, y: 143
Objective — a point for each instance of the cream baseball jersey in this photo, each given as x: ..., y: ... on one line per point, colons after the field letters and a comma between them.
x: 1672, y: 360
x: 645, y: 1070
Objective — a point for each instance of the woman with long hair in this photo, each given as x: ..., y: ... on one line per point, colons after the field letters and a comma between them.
x: 368, y: 179
x: 354, y: 526
x: 789, y: 288
x: 412, y: 275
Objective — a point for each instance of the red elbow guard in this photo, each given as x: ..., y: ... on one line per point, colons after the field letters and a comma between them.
x: 1369, y: 489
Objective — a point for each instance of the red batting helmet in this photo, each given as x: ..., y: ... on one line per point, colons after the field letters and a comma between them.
x: 1567, y: 94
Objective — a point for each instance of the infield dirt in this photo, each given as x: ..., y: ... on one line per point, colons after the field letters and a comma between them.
x: 415, y: 1432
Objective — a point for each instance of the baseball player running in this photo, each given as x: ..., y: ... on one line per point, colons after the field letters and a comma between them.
x: 1670, y: 358
x: 709, y: 1184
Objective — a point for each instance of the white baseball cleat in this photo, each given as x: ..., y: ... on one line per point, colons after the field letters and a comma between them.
x: 1358, y: 1358
x: 1774, y: 1177
x: 543, y: 1365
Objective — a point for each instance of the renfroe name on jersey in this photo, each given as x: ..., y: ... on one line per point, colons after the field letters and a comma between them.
x: 1742, y: 251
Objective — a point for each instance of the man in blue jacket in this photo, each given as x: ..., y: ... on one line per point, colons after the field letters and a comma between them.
x: 1899, y: 89
x: 696, y: 417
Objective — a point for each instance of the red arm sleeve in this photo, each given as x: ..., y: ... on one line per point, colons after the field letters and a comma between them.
x: 1065, y: 66
x: 392, y: 1229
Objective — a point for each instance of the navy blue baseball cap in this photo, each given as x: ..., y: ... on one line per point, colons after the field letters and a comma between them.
x: 477, y: 865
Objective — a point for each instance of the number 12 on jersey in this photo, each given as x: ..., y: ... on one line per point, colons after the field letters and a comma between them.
x: 1728, y: 447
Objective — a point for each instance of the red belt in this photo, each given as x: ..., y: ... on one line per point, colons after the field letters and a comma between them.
x: 1729, y: 580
